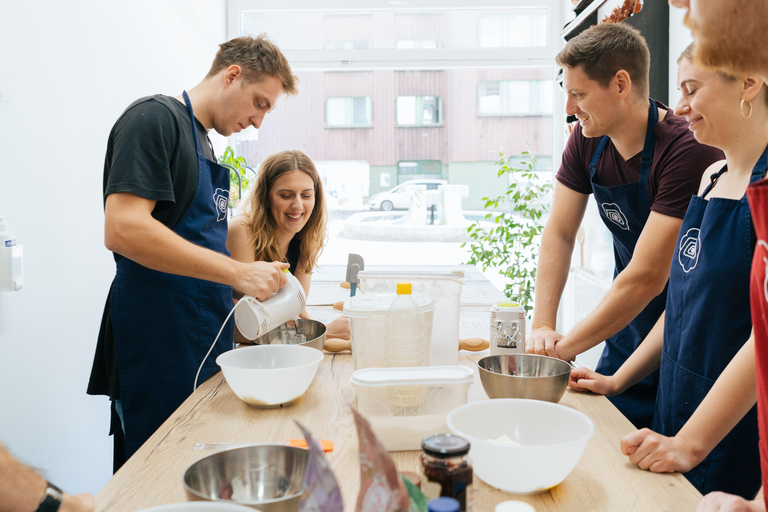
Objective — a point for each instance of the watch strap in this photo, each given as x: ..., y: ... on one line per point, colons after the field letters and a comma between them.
x: 52, y: 500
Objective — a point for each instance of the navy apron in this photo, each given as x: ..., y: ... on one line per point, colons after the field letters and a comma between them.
x: 624, y: 210
x: 707, y: 321
x: 164, y: 324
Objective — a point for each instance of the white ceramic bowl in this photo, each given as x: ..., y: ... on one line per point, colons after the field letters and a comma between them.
x: 270, y: 375
x: 552, y: 439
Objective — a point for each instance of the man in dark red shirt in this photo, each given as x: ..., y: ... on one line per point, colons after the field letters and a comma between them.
x: 642, y: 164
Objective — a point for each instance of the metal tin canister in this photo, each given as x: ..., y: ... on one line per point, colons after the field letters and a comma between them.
x: 507, y: 328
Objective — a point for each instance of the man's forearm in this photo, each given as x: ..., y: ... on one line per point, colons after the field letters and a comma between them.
x: 21, y: 489
x: 551, y: 276
x: 628, y: 296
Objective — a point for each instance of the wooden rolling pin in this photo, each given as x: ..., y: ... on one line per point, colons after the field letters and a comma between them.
x: 339, y: 345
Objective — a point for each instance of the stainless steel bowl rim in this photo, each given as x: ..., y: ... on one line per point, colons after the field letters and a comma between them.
x: 247, y: 446
x: 534, y: 356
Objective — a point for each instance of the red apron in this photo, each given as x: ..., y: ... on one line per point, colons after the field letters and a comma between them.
x: 757, y: 194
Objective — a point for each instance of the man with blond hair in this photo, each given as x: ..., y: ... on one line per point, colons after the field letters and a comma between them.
x: 165, y: 206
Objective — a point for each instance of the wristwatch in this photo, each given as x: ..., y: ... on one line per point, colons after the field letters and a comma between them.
x: 52, y: 500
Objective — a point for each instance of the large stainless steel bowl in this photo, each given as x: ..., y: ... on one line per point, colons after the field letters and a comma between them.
x: 266, y: 477
x: 313, y: 331
x: 524, y: 376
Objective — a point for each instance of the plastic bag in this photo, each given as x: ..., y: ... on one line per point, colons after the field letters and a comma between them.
x: 381, y: 488
x: 321, y: 491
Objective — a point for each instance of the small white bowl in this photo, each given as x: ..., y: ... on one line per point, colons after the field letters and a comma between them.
x: 551, y: 439
x: 270, y: 375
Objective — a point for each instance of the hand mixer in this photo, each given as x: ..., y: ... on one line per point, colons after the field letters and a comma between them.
x: 254, y: 318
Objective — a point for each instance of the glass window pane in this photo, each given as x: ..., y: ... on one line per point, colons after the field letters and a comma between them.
x: 406, y: 110
x: 362, y: 30
x: 335, y: 111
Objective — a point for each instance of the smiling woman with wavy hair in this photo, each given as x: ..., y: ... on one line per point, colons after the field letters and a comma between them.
x: 285, y: 220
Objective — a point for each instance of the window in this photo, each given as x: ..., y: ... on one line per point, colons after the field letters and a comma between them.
x: 516, y: 97
x: 348, y: 45
x: 426, y: 169
x: 525, y: 28
x: 419, y: 110
x: 348, y: 112
x: 411, y: 44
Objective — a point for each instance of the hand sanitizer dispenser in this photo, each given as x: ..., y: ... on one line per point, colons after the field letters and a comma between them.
x: 11, y: 269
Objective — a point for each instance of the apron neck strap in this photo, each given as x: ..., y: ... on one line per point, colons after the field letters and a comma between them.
x: 194, y: 124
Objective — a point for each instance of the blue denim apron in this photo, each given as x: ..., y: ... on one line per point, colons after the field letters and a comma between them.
x: 707, y: 322
x: 163, y: 323
x: 624, y: 210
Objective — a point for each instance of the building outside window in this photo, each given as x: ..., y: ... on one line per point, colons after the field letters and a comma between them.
x: 354, y: 112
x: 516, y: 97
x: 419, y: 110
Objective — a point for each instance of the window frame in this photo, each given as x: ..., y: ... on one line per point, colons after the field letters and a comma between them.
x: 419, y: 108
x: 369, y: 112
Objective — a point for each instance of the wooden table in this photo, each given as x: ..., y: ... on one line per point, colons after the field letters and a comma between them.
x: 603, y: 480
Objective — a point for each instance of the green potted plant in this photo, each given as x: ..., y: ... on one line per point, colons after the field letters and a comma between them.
x: 511, y: 245
x: 237, y: 167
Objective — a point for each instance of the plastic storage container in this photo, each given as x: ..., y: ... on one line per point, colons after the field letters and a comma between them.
x: 385, y: 399
x: 443, y: 287
x: 367, y: 314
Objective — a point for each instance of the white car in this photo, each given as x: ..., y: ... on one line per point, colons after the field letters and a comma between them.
x: 398, y: 197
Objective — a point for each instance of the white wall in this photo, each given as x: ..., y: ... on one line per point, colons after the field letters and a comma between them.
x: 67, y: 71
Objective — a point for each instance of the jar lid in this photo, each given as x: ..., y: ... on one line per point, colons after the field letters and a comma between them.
x: 444, y: 504
x: 444, y: 446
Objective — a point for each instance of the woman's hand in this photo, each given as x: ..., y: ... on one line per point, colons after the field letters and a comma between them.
x: 584, y: 379
x: 722, y: 502
x: 659, y: 453
x: 339, y: 328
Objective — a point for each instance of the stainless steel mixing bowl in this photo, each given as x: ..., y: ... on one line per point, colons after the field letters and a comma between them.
x: 266, y: 477
x: 524, y: 376
x: 313, y: 331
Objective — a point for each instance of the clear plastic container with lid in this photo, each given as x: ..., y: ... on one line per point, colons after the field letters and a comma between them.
x: 446, y: 469
x: 367, y: 313
x: 385, y: 397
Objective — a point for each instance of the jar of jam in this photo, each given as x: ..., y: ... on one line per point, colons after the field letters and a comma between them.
x: 447, y: 472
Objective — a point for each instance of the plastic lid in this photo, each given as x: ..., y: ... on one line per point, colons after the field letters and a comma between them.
x: 507, y: 304
x: 399, y: 273
x: 364, y: 305
x: 443, y: 504
x: 403, y: 288
x: 514, y: 506
x: 412, y: 376
x: 444, y: 446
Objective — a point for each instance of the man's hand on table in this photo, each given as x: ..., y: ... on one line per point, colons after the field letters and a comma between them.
x: 542, y: 342
x: 722, y: 502
x: 658, y: 453
x: 584, y: 379
x: 77, y: 503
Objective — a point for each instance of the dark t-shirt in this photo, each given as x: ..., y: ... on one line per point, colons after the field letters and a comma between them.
x: 150, y: 153
x: 678, y: 163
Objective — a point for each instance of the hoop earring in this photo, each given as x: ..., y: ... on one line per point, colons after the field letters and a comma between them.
x: 741, y: 107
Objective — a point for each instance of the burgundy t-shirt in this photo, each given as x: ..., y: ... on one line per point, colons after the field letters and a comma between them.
x: 678, y: 163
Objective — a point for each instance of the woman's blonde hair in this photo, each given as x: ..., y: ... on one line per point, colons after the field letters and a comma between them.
x: 263, y: 225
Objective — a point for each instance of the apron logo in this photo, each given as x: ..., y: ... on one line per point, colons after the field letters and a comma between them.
x: 765, y: 260
x: 221, y: 202
x: 615, y: 215
x: 690, y: 247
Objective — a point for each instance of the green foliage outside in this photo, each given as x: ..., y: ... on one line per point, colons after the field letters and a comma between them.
x: 237, y: 165
x: 511, y: 246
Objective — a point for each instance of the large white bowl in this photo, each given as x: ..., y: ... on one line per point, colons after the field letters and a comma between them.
x: 552, y: 439
x: 200, y: 506
x: 270, y: 375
